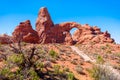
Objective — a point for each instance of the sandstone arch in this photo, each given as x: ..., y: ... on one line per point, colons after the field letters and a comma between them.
x: 69, y: 25
x: 60, y: 33
x: 48, y: 32
x: 66, y: 27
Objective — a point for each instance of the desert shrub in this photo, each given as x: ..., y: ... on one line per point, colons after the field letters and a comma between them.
x: 66, y: 69
x: 40, y: 65
x: 70, y: 76
x: 4, y: 71
x: 56, y: 69
x: 99, y: 59
x: 33, y: 74
x: 10, y: 75
x: 16, y: 58
x: 30, y: 64
x: 99, y: 73
x: 61, y: 72
x: 53, y: 54
x: 17, y: 66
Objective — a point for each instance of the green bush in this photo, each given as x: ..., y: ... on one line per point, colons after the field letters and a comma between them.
x: 16, y: 58
x: 40, y: 65
x: 28, y: 64
x: 53, y: 54
x: 56, y: 69
x: 7, y: 73
x: 70, y: 76
x: 66, y: 69
x: 100, y: 60
x: 4, y: 71
x: 33, y: 74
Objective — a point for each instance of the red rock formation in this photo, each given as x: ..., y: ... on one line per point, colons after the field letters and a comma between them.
x: 91, y: 34
x: 50, y: 33
x: 47, y: 32
x: 60, y: 33
x: 43, y: 24
x: 68, y: 38
x: 25, y: 32
x: 5, y: 39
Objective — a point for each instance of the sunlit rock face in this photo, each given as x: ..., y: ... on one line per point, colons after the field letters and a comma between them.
x: 60, y: 33
x: 48, y: 32
x: 25, y: 32
x: 89, y: 34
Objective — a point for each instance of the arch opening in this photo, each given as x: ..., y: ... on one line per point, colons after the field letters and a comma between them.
x: 73, y: 32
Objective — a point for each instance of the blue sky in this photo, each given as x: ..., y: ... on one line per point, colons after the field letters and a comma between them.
x: 103, y: 13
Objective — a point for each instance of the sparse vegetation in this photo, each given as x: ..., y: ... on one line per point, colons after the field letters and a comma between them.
x: 32, y: 63
x: 57, y: 69
x: 70, y: 76
x: 99, y: 73
x: 53, y: 54
x: 100, y: 60
x: 39, y: 62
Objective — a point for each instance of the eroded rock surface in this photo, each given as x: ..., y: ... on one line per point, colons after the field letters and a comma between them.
x: 60, y: 33
x: 48, y: 32
x: 5, y: 39
x: 92, y: 34
x: 43, y: 24
x: 25, y: 32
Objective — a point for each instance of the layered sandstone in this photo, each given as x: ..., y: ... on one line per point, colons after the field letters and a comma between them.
x: 92, y: 34
x: 48, y: 32
x: 25, y: 32
x: 43, y: 24
x: 60, y: 33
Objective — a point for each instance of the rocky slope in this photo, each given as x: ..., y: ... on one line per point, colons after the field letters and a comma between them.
x: 50, y: 61
x: 55, y: 61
